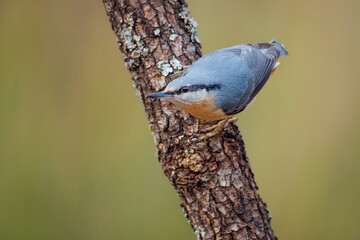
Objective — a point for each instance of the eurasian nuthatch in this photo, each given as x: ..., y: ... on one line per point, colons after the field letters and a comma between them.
x: 223, y: 83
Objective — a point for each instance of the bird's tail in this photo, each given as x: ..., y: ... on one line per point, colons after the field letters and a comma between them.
x: 279, y: 46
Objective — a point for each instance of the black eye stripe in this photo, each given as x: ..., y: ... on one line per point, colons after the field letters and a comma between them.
x: 194, y: 88
x: 213, y: 87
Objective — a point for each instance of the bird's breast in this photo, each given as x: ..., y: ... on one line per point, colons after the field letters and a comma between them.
x: 204, y: 109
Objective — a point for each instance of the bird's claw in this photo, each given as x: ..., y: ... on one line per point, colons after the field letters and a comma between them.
x: 215, y: 129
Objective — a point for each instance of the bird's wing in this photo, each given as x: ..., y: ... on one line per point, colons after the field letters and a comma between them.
x: 261, y: 62
x: 264, y: 69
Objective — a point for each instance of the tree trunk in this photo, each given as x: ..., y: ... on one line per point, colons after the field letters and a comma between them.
x: 212, y: 177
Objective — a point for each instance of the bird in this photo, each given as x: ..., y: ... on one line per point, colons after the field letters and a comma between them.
x: 225, y: 82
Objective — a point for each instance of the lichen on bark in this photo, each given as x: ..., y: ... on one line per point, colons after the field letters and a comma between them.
x: 212, y: 177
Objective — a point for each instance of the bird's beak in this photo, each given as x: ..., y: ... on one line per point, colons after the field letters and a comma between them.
x: 160, y: 95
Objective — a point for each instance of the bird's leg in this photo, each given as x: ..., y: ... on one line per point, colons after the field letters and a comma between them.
x: 215, y: 129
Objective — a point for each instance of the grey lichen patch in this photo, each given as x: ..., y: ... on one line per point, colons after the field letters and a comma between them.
x: 197, y: 233
x: 140, y: 46
x: 131, y: 63
x: 164, y: 67
x: 191, y: 24
x: 144, y: 52
x: 127, y: 36
x: 176, y: 64
x: 204, y: 179
x: 133, y: 43
x: 173, y: 37
x: 129, y: 19
x: 157, y: 32
x: 137, y: 38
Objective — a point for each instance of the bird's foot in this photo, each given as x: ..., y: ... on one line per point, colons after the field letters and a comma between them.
x: 215, y: 129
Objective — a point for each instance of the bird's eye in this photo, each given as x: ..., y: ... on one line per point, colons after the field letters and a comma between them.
x: 185, y: 89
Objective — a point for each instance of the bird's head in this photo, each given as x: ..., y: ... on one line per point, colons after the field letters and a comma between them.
x: 181, y: 91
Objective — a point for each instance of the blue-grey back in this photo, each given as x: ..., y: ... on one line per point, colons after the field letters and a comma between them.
x: 237, y: 70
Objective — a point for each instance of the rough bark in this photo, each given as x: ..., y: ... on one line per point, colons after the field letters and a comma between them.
x: 212, y: 177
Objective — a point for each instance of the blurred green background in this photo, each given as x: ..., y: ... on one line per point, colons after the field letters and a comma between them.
x: 71, y: 124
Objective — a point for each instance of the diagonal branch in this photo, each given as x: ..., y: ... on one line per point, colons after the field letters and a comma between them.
x: 212, y: 177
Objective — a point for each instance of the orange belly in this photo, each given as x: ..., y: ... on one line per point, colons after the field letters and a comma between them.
x: 204, y: 109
